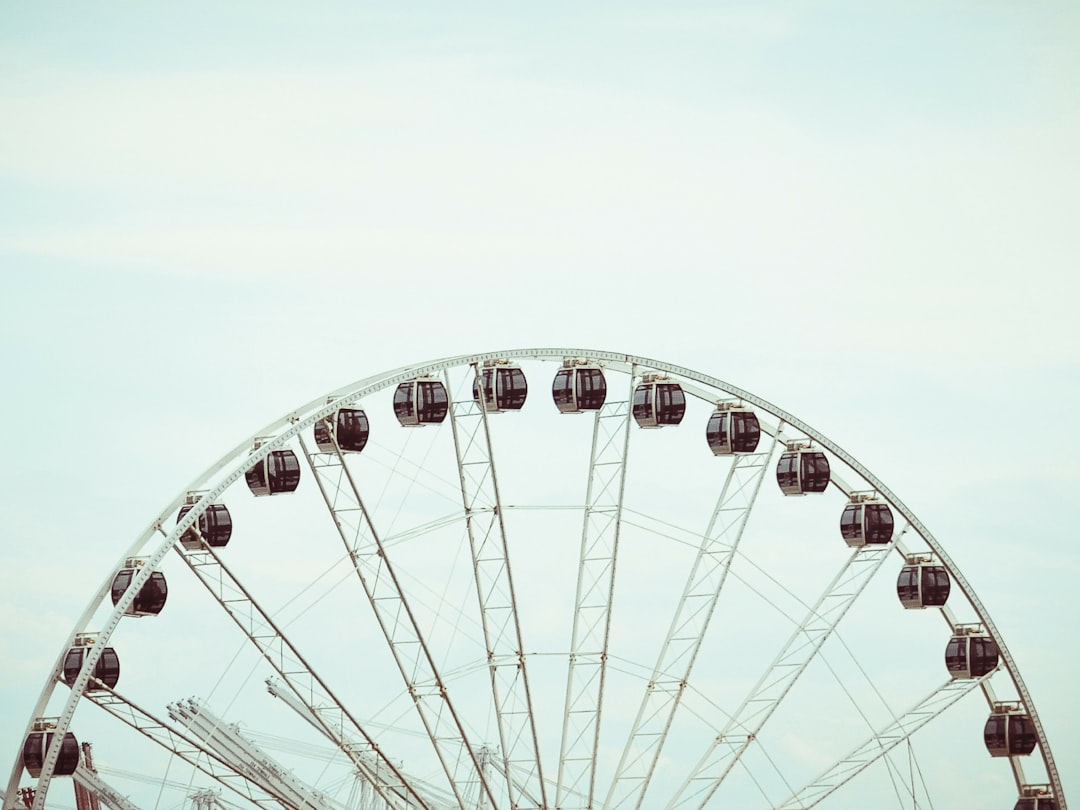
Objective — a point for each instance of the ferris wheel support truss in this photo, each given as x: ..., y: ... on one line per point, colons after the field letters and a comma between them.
x: 801, y: 648
x: 248, y: 759
x: 484, y: 521
x: 404, y: 638
x: 278, y: 690
x: 680, y: 648
x: 592, y: 604
x: 278, y: 651
x: 106, y: 794
x: 183, y: 747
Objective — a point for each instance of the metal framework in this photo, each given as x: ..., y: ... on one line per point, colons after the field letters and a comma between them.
x: 90, y: 781
x: 680, y: 649
x: 498, y: 606
x: 184, y: 747
x: 336, y: 721
x: 519, y: 757
x: 880, y: 743
x: 592, y: 604
x: 246, y: 758
x: 802, y: 646
x: 396, y: 618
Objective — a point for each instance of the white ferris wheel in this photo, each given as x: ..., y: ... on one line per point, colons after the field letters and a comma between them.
x: 542, y: 578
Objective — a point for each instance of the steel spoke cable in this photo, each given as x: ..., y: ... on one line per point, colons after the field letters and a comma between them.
x: 859, y: 710
x: 412, y: 481
x: 922, y: 779
x: 764, y: 751
x: 401, y: 459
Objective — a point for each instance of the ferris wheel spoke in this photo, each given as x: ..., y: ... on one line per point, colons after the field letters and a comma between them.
x: 802, y: 646
x: 592, y: 605
x: 497, y: 603
x: 881, y: 743
x: 404, y: 638
x: 686, y: 634
x: 182, y: 746
x: 337, y: 722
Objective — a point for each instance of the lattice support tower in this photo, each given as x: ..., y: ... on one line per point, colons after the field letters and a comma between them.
x: 592, y: 605
x: 336, y: 721
x: 498, y: 607
x: 396, y: 619
x: 796, y: 654
x: 680, y: 649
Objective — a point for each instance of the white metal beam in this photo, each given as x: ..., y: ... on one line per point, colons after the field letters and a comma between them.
x: 497, y: 603
x: 592, y: 606
x: 415, y: 662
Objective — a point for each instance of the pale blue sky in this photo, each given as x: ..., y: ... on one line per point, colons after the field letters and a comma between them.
x: 864, y: 213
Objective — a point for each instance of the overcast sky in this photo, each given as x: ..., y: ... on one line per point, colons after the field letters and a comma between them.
x: 865, y: 213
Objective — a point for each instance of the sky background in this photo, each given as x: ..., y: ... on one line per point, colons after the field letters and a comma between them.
x: 866, y: 214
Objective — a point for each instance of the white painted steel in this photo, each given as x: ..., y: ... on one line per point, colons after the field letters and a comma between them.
x: 387, y: 599
x: 495, y: 596
x: 584, y: 702
x: 100, y: 788
x: 680, y: 649
x: 231, y: 467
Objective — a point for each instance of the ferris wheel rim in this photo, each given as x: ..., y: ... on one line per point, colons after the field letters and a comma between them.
x: 279, y: 432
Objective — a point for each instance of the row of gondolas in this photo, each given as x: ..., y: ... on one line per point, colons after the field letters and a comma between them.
x: 657, y: 401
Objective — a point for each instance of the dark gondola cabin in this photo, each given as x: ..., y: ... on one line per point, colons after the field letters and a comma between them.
x: 971, y: 655
x: 732, y: 429
x: 278, y: 472
x: 658, y: 401
x: 579, y: 388
x: 214, y: 526
x: 348, y: 426
x: 505, y: 388
x: 420, y: 402
x: 107, y: 669
x: 151, y: 597
x: 1043, y: 802
x: 865, y: 521
x: 802, y: 469
x: 1009, y: 732
x: 923, y: 583
x: 37, y: 745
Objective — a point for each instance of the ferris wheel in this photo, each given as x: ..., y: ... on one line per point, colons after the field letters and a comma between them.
x: 539, y: 578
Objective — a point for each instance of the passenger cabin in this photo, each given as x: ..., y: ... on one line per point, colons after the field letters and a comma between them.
x: 37, y: 746
x: 278, y: 472
x: 578, y: 388
x: 106, y: 670
x: 866, y: 521
x: 970, y: 654
x: 420, y: 402
x: 151, y: 597
x: 923, y: 583
x: 1036, y: 797
x: 504, y: 386
x: 345, y: 429
x: 802, y: 469
x: 1009, y: 731
x: 213, y: 527
x: 732, y: 429
x: 658, y: 401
